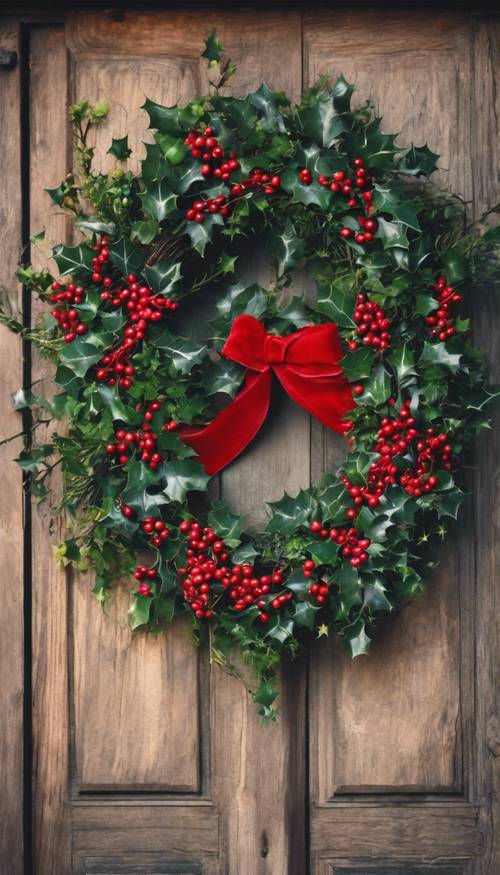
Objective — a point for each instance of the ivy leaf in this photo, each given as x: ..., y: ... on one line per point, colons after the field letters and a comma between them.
x: 403, y: 363
x: 222, y: 376
x: 159, y: 201
x: 79, y: 357
x: 119, y: 148
x: 305, y: 614
x: 291, y: 512
x: 185, y: 353
x: 213, y: 49
x: 336, y: 302
x: 358, y: 365
x: 201, y: 233
x: 320, y: 122
x: 419, y: 161
x: 227, y: 525
x: 126, y: 257
x: 73, y: 260
x: 333, y: 499
x: 163, y: 277
x: 181, y: 477
x: 437, y: 354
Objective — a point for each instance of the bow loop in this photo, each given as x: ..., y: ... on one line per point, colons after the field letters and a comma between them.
x: 307, y: 365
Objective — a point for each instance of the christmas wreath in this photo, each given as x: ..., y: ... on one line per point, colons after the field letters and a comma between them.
x: 380, y: 354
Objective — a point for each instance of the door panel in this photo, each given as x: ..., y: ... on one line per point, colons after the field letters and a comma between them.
x: 148, y: 760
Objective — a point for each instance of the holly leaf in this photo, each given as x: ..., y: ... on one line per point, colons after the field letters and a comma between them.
x: 163, y: 277
x: 402, y: 362
x: 318, y: 162
x: 222, y: 376
x: 280, y: 629
x: 119, y: 148
x: 356, y: 466
x: 305, y: 614
x: 173, y: 148
x: 266, y: 102
x: 297, y: 583
x: 73, y: 260
x: 336, y: 302
x: 289, y: 513
x: 214, y: 49
x: 357, y: 643
x: 126, y: 257
x: 437, y: 354
x: 181, y: 477
x: 419, y: 161
x: 349, y: 589
x: 321, y: 122
x: 454, y: 265
x: 144, y: 231
x: 296, y: 314
x: 358, y: 365
x: 392, y: 234
x: 201, y: 233
x: 375, y: 598
x: 324, y: 552
x: 244, y: 553
x: 288, y: 247
x: 227, y: 525
x: 239, y: 299
x: 333, y: 499
x: 378, y: 389
x: 110, y: 396
x: 79, y: 357
x: 95, y: 225
x: 184, y: 352
x: 387, y: 199
x: 425, y: 303
x: 159, y: 201
x: 140, y: 478
x: 139, y: 611
x: 163, y: 118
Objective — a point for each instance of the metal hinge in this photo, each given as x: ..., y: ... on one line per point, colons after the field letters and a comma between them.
x: 8, y: 59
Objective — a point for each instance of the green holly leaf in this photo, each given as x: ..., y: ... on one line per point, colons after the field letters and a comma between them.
x: 239, y: 299
x: 375, y: 596
x: 214, y: 49
x: 181, y: 477
x: 373, y: 145
x: 305, y: 614
x: 227, y: 525
x: 173, y: 148
x: 119, y: 148
x: 358, y: 365
x: 163, y: 277
x: 378, y: 389
x: 454, y: 265
x: 58, y: 194
x: 110, y: 396
x: 267, y: 103
x: 324, y: 552
x: 419, y: 161
x: 398, y: 506
x: 244, y: 553
x: 321, y: 122
x: 144, y: 231
x: 140, y: 611
x: 222, y: 376
x: 202, y: 233
x: 402, y: 362
x: 349, y: 588
x: 279, y: 629
x: 79, y: 357
x: 386, y: 198
x: 356, y: 643
x: 333, y: 499
x: 296, y: 314
x: 318, y: 162
x: 450, y: 502
x: 289, y: 513
x: 159, y: 201
x: 95, y: 225
x: 297, y: 583
x: 183, y: 177
x: 288, y: 247
x: 74, y: 260
x: 425, y: 303
x: 126, y: 257
x: 356, y: 466
x: 140, y: 479
x: 336, y: 302
x: 184, y: 352
x: 437, y: 354
x: 163, y: 118
x: 169, y: 442
x: 392, y: 234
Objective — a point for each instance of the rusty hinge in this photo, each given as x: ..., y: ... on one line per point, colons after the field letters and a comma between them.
x: 8, y: 59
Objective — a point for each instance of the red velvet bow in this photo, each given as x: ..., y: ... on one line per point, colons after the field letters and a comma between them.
x: 305, y: 363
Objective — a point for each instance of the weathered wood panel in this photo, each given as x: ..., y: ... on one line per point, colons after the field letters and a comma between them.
x: 11, y: 500
x: 407, y: 694
x: 48, y: 162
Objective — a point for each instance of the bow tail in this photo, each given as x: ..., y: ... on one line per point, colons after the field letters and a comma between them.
x: 218, y: 443
x: 328, y: 398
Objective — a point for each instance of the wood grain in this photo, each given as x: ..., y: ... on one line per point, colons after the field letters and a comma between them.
x: 11, y: 496
x: 48, y: 165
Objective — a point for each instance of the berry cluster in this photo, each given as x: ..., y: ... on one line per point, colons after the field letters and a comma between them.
x: 354, y: 545
x: 205, y: 146
x: 355, y: 188
x: 143, y: 573
x: 433, y: 450
x: 441, y: 321
x: 143, y: 307
x: 155, y: 527
x: 246, y: 588
x: 200, y: 208
x: 66, y: 298
x: 144, y: 440
x: 259, y: 180
x: 204, y: 553
x: 372, y: 324
x: 98, y: 262
x: 319, y: 589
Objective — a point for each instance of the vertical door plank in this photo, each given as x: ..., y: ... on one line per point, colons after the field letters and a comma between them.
x: 49, y: 140
x: 486, y: 178
x: 11, y: 496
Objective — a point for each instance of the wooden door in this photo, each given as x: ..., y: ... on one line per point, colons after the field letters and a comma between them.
x: 145, y: 759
